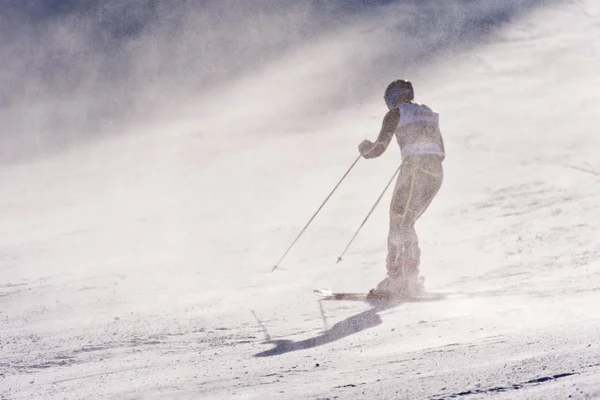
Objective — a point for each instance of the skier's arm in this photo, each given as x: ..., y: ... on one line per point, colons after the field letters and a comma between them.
x: 369, y: 149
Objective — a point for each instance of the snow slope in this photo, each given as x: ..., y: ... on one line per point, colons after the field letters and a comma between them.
x: 139, y: 266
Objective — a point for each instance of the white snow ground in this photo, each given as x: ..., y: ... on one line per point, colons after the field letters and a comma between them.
x: 140, y: 267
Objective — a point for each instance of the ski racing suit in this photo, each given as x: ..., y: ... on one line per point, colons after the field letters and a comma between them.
x: 417, y: 131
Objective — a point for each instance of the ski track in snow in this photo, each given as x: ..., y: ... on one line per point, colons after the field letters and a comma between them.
x: 140, y: 267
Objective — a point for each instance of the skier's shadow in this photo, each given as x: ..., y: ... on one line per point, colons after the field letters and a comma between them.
x: 354, y: 324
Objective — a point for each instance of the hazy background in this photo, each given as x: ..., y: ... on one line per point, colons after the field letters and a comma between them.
x: 158, y: 157
x: 74, y: 70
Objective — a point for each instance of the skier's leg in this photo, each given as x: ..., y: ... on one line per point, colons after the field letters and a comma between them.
x: 403, y: 242
x: 427, y: 184
x: 415, y: 189
x: 398, y: 234
x: 403, y: 249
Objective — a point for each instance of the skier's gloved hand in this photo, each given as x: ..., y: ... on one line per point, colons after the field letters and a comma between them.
x: 365, y: 147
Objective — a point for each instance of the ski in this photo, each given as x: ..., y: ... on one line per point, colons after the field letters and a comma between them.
x: 326, y: 294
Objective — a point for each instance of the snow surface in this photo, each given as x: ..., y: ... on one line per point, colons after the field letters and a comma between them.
x: 138, y: 266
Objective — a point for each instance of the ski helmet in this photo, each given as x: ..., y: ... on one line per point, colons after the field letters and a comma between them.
x: 400, y: 91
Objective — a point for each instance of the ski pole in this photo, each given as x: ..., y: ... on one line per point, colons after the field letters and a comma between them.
x: 315, y: 214
x: 369, y: 214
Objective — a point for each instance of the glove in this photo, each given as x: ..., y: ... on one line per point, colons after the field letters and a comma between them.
x: 365, y: 147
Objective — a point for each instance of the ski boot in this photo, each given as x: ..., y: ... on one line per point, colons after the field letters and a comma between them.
x: 397, y: 288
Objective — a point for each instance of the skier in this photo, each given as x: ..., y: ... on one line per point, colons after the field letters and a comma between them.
x: 417, y: 131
